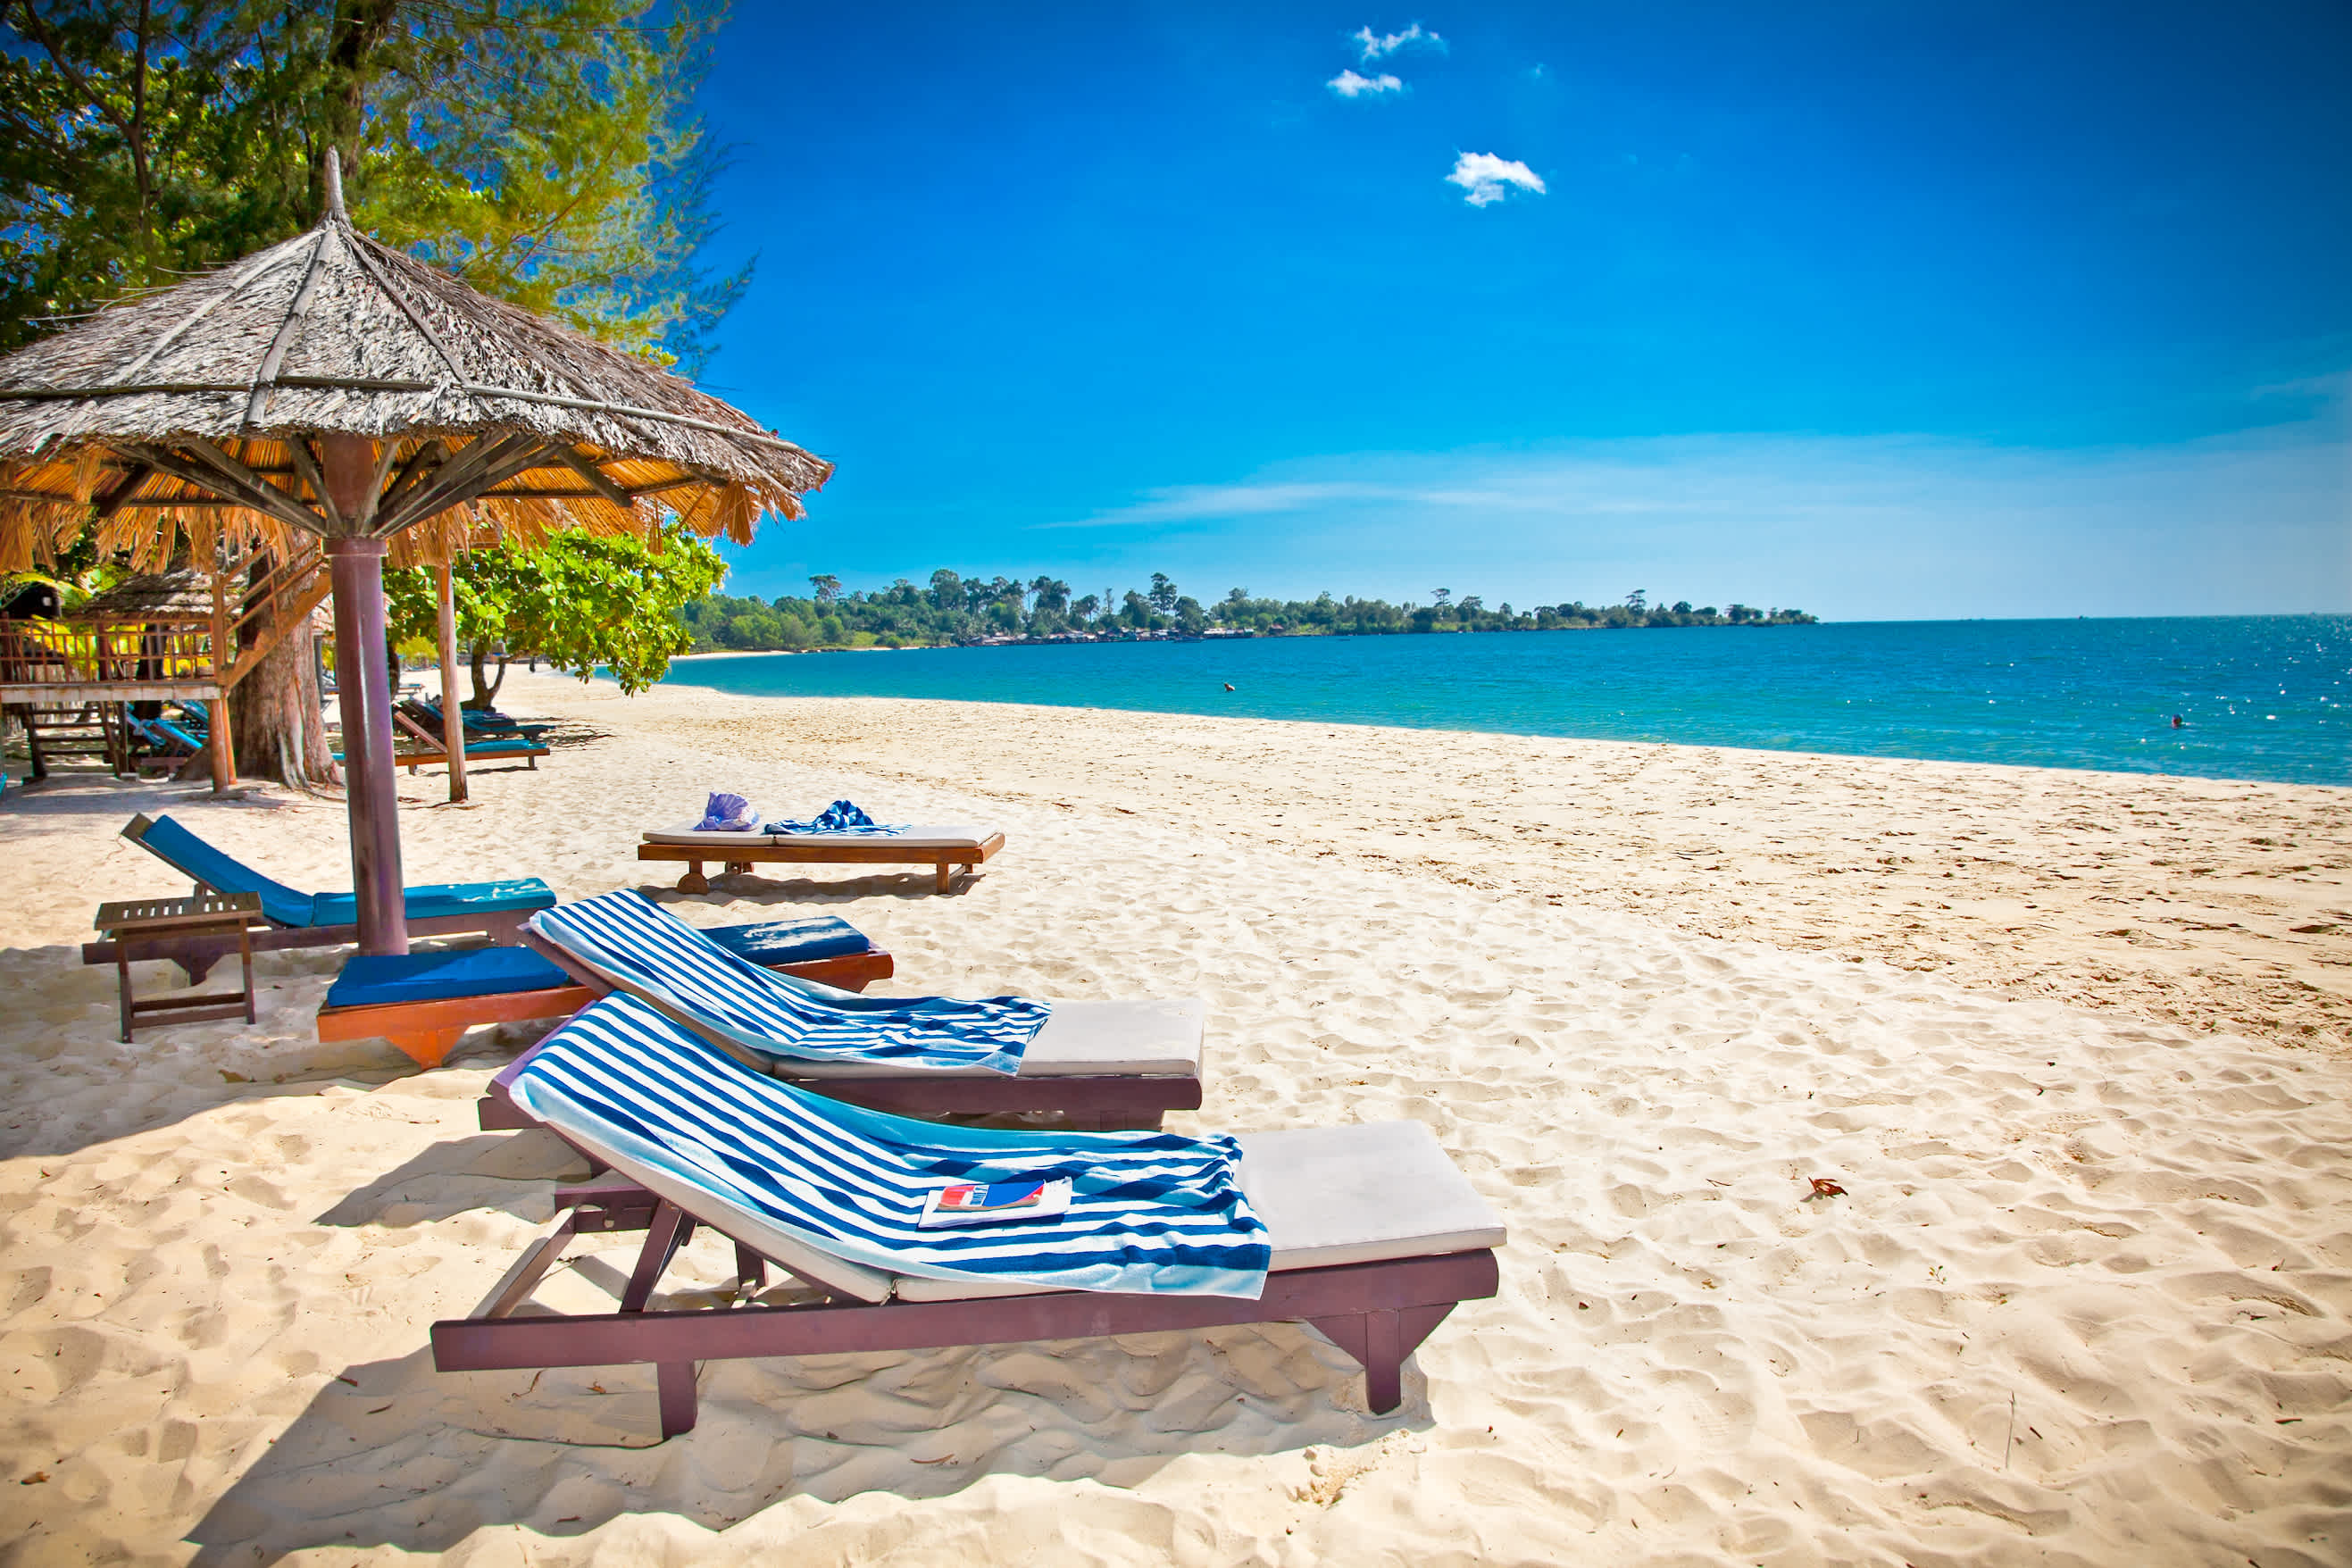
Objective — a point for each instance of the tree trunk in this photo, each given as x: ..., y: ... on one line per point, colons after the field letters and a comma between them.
x: 486, y: 690
x: 274, y: 719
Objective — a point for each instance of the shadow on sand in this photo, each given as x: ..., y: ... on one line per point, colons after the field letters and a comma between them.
x: 392, y: 1453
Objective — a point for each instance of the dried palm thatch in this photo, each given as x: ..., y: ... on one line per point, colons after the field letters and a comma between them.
x: 193, y: 417
x: 185, y: 594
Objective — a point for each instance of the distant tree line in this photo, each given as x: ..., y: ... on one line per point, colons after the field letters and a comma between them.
x: 954, y: 608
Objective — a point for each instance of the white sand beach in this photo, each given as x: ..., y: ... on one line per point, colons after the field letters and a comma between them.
x: 2077, y: 1047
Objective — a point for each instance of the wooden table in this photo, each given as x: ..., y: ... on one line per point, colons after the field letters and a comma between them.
x: 154, y: 924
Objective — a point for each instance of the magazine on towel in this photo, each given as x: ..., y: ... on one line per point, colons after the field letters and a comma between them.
x: 994, y: 1203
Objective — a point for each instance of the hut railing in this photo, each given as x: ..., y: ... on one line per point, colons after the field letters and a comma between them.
x: 107, y: 654
x: 277, y: 601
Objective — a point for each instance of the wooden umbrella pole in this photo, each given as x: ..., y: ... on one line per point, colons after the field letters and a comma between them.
x: 364, y: 691
x: 453, y: 721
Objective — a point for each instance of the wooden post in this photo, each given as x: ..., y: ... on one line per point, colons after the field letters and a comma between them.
x: 364, y: 691
x: 453, y: 721
x: 217, y: 739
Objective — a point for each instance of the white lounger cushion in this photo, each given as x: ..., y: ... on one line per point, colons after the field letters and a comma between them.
x: 1330, y: 1196
x: 686, y: 833
x: 919, y: 837
x: 1139, y: 1040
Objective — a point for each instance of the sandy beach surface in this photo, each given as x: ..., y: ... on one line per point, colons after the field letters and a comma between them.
x: 2074, y: 1046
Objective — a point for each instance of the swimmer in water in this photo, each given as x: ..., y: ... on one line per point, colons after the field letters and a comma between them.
x: 1229, y: 686
x: 2178, y: 721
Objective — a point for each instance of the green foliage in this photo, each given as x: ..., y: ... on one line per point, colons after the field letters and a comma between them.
x: 959, y: 609
x: 545, y: 149
x: 578, y: 602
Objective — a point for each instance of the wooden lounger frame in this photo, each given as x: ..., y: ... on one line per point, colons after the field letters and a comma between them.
x: 1377, y: 1312
x: 427, y: 1030
x: 1107, y: 1102
x: 432, y: 751
x: 880, y: 851
x: 197, y: 954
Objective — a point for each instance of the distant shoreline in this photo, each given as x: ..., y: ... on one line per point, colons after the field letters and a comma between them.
x: 2255, y: 702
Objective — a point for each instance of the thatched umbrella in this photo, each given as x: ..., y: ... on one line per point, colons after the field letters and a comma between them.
x: 336, y: 387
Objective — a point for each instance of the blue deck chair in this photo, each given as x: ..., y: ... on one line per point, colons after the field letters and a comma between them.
x: 479, y: 722
x: 316, y: 919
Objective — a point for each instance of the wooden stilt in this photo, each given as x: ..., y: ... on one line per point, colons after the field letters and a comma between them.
x: 453, y: 721
x: 218, y: 743
x: 216, y: 736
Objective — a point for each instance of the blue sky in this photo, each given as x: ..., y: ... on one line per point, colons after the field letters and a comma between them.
x: 1885, y: 310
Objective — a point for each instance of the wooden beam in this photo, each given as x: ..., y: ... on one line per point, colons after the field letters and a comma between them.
x: 31, y: 693
x: 306, y: 464
x: 455, y: 480
x: 118, y: 497
x: 149, y: 388
x: 265, y: 376
x: 210, y: 469
x: 598, y: 480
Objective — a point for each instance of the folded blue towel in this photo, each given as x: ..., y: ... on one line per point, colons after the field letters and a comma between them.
x: 727, y: 813
x: 841, y: 816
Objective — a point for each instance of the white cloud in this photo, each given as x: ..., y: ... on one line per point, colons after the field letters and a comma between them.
x: 1483, y: 176
x: 1376, y: 44
x: 1348, y: 84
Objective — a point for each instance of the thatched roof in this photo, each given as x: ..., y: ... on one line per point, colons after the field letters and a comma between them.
x: 161, y: 405
x: 184, y: 594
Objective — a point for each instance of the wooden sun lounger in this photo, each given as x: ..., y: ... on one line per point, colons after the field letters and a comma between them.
x: 1378, y: 1312
x: 1088, y: 1101
x: 427, y: 1030
x: 420, y: 748
x: 959, y: 855
x: 196, y: 954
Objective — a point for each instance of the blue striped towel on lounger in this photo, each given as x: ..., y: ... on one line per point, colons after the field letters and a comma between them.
x: 650, y: 952
x: 1149, y: 1211
x: 841, y: 816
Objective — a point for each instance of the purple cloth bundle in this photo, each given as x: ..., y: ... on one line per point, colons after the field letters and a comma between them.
x: 727, y: 813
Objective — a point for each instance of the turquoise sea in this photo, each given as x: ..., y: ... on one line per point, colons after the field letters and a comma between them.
x: 2262, y: 697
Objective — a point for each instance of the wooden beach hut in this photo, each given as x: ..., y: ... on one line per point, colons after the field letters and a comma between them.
x: 331, y: 394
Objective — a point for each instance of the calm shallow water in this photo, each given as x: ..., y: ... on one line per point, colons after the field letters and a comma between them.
x: 2264, y: 697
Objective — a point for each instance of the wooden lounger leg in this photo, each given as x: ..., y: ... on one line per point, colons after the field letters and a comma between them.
x: 751, y: 1271
x: 693, y: 882
x: 946, y: 875
x: 1379, y: 1340
x: 675, y: 1379
x: 429, y: 1048
x: 668, y: 1232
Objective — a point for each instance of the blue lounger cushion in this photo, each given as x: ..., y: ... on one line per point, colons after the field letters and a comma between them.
x: 382, y: 980
x: 287, y: 906
x: 771, y: 943
x: 376, y: 980
x: 435, y: 899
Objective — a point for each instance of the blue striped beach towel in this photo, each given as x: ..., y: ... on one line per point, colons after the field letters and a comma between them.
x: 841, y: 816
x: 646, y: 951
x: 1149, y: 1211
